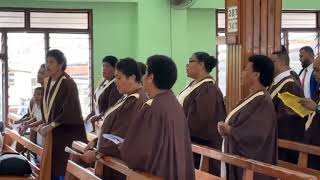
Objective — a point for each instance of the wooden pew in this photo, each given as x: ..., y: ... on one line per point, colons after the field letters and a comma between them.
x: 91, y: 136
x: 9, y: 137
x: 115, y: 164
x: 249, y: 166
x: 304, y: 150
x: 75, y: 171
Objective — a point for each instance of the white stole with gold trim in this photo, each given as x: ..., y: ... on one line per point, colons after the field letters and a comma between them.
x: 48, y: 102
x: 233, y: 112
x: 187, y: 91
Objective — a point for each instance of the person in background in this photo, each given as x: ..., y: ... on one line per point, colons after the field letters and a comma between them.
x: 250, y: 129
x: 307, y: 77
x: 62, y: 116
x: 42, y: 73
x: 107, y: 94
x: 312, y: 127
x: 158, y: 140
x: 203, y: 105
x: 118, y: 118
x: 290, y: 124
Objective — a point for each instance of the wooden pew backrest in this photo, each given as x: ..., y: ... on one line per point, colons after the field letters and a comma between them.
x: 115, y: 164
x: 79, y: 172
x: 304, y: 151
x: 250, y: 166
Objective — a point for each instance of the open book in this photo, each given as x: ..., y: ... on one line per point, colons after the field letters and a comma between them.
x: 115, y: 139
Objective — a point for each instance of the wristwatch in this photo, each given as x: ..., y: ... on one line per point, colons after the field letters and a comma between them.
x: 98, y: 155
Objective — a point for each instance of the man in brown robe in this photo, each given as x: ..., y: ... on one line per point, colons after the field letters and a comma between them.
x: 158, y: 141
x: 290, y: 124
x: 202, y: 101
x: 312, y: 127
x: 61, y: 111
x: 118, y: 118
x: 250, y: 130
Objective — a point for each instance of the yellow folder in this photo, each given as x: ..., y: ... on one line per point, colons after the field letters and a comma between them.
x: 292, y: 101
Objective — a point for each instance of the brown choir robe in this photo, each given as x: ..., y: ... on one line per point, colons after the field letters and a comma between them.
x: 290, y: 127
x: 253, y: 135
x: 312, y: 135
x: 158, y: 141
x: 295, y: 76
x: 117, y: 123
x: 66, y: 111
x: 204, y: 108
x: 108, y: 98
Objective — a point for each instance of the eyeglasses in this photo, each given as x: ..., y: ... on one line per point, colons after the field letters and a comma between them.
x: 191, y: 61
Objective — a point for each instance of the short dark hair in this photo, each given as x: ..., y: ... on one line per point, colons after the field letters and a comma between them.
x: 111, y: 60
x: 164, y: 71
x: 308, y: 49
x: 283, y: 48
x: 210, y: 62
x: 129, y: 67
x: 263, y: 65
x: 283, y: 56
x: 39, y: 89
x: 42, y: 66
x: 142, y: 67
x: 59, y: 57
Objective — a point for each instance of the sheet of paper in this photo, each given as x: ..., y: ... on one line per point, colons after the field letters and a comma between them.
x: 88, y: 126
x: 292, y: 101
x: 115, y: 139
x: 70, y: 151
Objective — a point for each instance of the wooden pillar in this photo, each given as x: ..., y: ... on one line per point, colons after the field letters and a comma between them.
x: 252, y: 27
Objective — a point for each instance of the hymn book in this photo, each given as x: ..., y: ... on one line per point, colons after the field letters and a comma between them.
x: 292, y: 101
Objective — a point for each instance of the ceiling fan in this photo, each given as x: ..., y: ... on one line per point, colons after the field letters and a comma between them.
x: 181, y: 4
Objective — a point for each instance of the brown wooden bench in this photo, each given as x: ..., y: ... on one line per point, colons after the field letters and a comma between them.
x: 11, y: 136
x: 75, y: 172
x: 115, y: 164
x: 249, y: 166
x: 304, y: 150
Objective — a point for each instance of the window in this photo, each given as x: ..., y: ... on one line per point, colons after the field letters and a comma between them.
x: 299, y: 28
x: 12, y: 19
x: 77, y: 51
x: 59, y: 20
x: 41, y: 30
x: 298, y: 20
x: 222, y: 66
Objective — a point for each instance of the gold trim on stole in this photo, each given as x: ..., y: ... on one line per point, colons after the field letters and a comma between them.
x: 46, y: 160
x: 276, y: 91
x: 188, y: 90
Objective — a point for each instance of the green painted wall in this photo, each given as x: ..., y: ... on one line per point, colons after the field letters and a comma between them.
x: 301, y: 4
x: 114, y: 26
x: 140, y: 28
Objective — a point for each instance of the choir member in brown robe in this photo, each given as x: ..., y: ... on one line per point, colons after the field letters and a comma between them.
x: 290, y: 124
x: 107, y: 94
x: 203, y: 105
x: 158, y: 141
x: 312, y: 126
x: 61, y: 112
x: 42, y: 73
x: 250, y: 130
x: 118, y: 118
